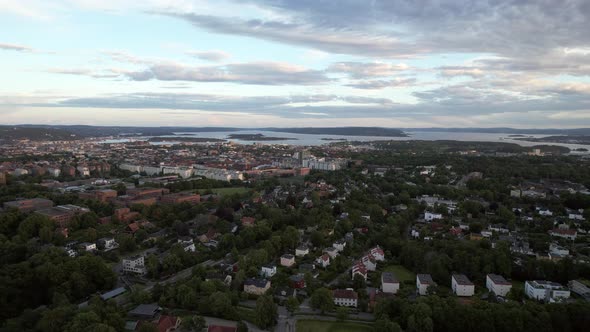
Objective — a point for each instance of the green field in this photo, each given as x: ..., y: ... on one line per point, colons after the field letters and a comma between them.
x: 230, y: 191
x: 325, y: 326
x: 401, y: 272
x: 247, y: 314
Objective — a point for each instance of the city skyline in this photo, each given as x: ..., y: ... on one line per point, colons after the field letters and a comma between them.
x: 273, y: 63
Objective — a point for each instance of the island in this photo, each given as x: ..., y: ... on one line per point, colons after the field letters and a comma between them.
x: 565, y: 139
x: 333, y: 139
x: 258, y: 137
x: 184, y: 139
x: 344, y: 131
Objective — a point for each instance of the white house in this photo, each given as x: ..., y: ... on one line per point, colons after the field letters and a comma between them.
x: 187, y: 243
x: 87, y: 246
x: 360, y: 269
x: 339, y: 245
x: 569, y: 234
x: 345, y: 297
x: 268, y: 270
x: 301, y: 251
x: 557, y: 251
x: 135, y: 264
x: 429, y: 216
x: 287, y: 260
x: 323, y: 260
x: 544, y: 212
x: 498, y: 285
x: 389, y: 283
x: 331, y: 251
x: 108, y: 243
x: 423, y: 281
x: 461, y: 285
x: 377, y: 253
x: 544, y: 290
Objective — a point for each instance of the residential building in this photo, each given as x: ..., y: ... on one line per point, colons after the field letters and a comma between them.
x: 87, y: 246
x: 461, y: 285
x: 323, y: 260
x: 287, y: 260
x: 268, y: 270
x: 389, y: 283
x: 423, y: 281
x: 181, y: 198
x: 359, y: 269
x: 29, y: 205
x: 345, y: 297
x: 544, y: 290
x: 339, y: 245
x: 134, y: 264
x: 63, y: 214
x: 107, y: 243
x: 580, y: 289
x: 569, y: 234
x: 331, y: 251
x: 301, y: 251
x: 103, y: 195
x: 430, y: 216
x: 256, y: 286
x: 297, y: 281
x: 187, y: 243
x: 498, y: 285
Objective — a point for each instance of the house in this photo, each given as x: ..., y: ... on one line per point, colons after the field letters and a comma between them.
x: 168, y: 323
x: 580, y: 289
x: 377, y: 253
x: 557, y: 252
x: 256, y: 286
x: 297, y: 281
x: 498, y: 285
x: 269, y: 270
x: 359, y: 269
x: 134, y: 264
x: 301, y: 251
x: 339, y: 245
x: 423, y: 281
x: 248, y: 221
x: 345, y: 297
x: 107, y: 243
x: 331, y: 251
x: 429, y: 216
x: 369, y: 262
x: 210, y: 235
x: 87, y: 246
x: 145, y: 312
x: 187, y: 243
x: 461, y: 285
x: 569, y: 234
x: 29, y: 205
x: 544, y: 290
x: 389, y: 283
x: 287, y: 260
x: 544, y: 212
x: 323, y: 260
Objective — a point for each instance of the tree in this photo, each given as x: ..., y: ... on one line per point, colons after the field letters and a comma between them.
x: 195, y: 323
x: 290, y: 237
x: 359, y: 282
x: 342, y: 313
x: 322, y: 299
x: 242, y: 327
x: 265, y: 312
x: 292, y: 304
x: 147, y: 327
x: 385, y: 325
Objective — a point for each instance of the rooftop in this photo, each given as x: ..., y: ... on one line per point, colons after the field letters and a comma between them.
x: 389, y: 277
x: 461, y: 279
x: 498, y: 279
x: 425, y: 279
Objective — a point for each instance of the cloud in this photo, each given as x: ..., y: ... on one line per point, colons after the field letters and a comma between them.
x: 331, y: 40
x: 214, y: 56
x: 382, y: 84
x: 14, y: 47
x: 359, y: 70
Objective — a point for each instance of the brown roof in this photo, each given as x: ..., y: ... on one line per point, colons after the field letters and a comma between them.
x: 344, y: 294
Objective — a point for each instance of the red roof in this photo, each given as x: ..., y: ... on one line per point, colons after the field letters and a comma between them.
x: 166, y: 323
x: 219, y: 328
x: 344, y: 294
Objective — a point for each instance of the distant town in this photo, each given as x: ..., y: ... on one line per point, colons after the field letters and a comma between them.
x: 233, y: 236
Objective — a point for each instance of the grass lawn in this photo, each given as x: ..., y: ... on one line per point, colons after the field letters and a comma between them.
x: 230, y: 191
x: 325, y: 326
x: 401, y: 272
x: 246, y: 314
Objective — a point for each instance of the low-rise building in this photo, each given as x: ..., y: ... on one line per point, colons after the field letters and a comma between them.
x: 323, y: 260
x: 29, y: 205
x: 498, y: 285
x: 301, y: 251
x: 268, y: 270
x: 580, y: 289
x: 389, y: 283
x: 345, y: 297
x: 187, y: 243
x: 134, y: 264
x: 339, y: 245
x: 107, y: 243
x: 423, y: 281
x: 256, y: 286
x: 544, y: 290
x: 569, y: 234
x: 461, y: 285
x: 331, y: 251
x: 287, y: 260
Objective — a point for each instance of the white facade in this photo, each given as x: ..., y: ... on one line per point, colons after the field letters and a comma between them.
x: 268, y: 271
x: 86, y: 246
x: 498, y: 285
x: 423, y: 281
x: 345, y: 298
x: 429, y: 216
x: 301, y: 251
x: 389, y: 284
x: 287, y: 260
x: 134, y: 264
x: 545, y: 290
x: 462, y: 286
x: 339, y: 245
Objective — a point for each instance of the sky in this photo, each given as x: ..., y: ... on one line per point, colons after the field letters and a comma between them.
x: 296, y: 63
